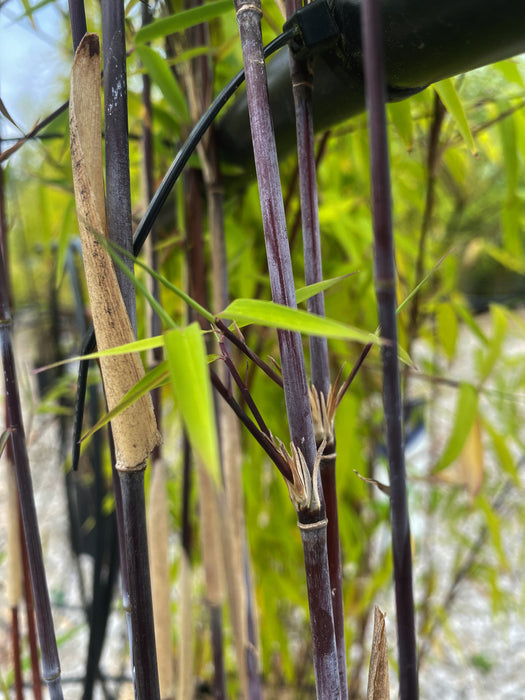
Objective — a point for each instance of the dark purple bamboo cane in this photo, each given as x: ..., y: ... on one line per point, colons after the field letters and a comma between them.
x: 311, y: 515
x: 46, y: 632
x: 33, y: 560
x: 132, y: 521
x: 302, y: 86
x: 385, y: 281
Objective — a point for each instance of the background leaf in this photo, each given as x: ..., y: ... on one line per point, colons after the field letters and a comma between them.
x: 188, y: 366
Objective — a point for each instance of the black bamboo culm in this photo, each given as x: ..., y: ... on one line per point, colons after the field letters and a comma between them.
x: 46, y: 632
x: 132, y: 520
x: 385, y: 282
x: 33, y: 561
x: 302, y: 86
x: 312, y: 520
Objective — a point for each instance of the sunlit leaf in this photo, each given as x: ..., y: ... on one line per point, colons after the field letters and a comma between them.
x: 162, y: 76
x: 494, y: 526
x: 505, y: 460
x: 450, y: 98
x: 464, y: 417
x: 492, y: 353
x: 180, y: 21
x: 151, y: 380
x: 188, y: 366
x: 304, y: 293
x: 156, y: 341
x: 510, y: 72
x: 447, y: 328
x: 266, y: 313
x: 400, y: 113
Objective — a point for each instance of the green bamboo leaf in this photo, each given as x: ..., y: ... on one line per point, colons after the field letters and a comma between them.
x: 493, y: 351
x: 510, y: 72
x: 5, y: 113
x: 266, y: 313
x: 156, y: 377
x: 401, y: 116
x: 304, y: 293
x: 504, y: 457
x: 466, y: 412
x: 188, y: 366
x: 450, y: 98
x: 136, y: 346
x: 160, y: 73
x: 182, y: 20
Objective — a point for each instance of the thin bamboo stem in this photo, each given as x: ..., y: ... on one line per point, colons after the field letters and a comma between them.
x: 311, y: 507
x: 385, y: 281
x: 143, y: 644
x: 46, y: 633
x: 302, y: 86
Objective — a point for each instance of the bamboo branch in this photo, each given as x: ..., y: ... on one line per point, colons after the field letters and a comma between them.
x: 385, y: 281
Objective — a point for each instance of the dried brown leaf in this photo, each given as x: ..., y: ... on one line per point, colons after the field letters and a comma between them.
x: 378, y: 683
x: 135, y: 429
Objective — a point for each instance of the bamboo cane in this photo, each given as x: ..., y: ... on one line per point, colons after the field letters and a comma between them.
x: 385, y: 283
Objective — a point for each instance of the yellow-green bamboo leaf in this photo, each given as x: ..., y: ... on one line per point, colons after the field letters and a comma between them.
x: 450, y: 98
x: 180, y: 21
x: 465, y: 415
x: 161, y: 74
x: 188, y: 366
x: 304, y: 293
x: 266, y: 313
x: 153, y: 379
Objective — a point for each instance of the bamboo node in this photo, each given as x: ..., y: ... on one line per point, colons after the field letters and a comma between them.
x: 247, y: 7
x: 313, y: 526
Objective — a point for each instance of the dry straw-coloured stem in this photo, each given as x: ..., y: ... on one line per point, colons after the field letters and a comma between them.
x: 134, y: 431
x: 378, y: 682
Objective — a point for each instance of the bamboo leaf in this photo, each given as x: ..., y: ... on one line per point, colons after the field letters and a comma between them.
x: 5, y: 113
x: 151, y: 380
x: 161, y: 74
x: 156, y: 341
x: 304, y: 293
x: 266, y: 313
x: 182, y: 20
x: 466, y: 412
x: 188, y: 366
x: 401, y: 116
x: 493, y: 351
x: 450, y: 98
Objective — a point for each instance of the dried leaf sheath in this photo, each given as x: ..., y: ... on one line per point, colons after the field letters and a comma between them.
x: 134, y: 431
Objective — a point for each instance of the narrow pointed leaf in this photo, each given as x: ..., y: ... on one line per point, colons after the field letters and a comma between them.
x: 450, y: 98
x: 182, y: 20
x: 266, y: 313
x: 188, y: 366
x: 304, y: 293
x: 466, y: 412
x: 401, y: 116
x: 156, y: 341
x: 156, y: 377
x: 161, y: 74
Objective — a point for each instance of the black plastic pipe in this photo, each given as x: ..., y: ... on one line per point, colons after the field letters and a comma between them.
x: 424, y: 43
